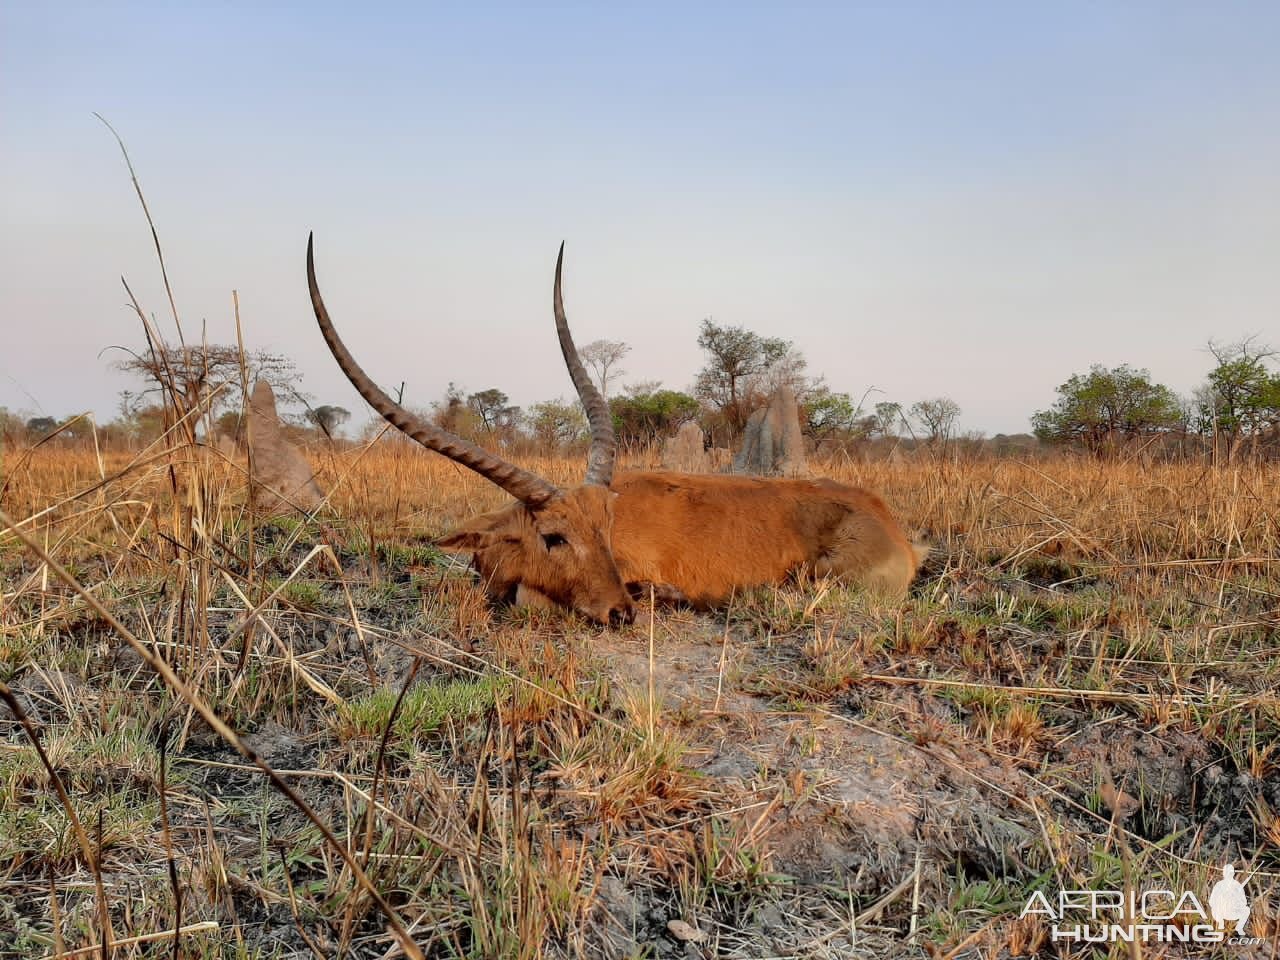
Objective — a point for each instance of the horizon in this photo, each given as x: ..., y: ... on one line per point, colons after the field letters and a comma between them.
x: 932, y: 202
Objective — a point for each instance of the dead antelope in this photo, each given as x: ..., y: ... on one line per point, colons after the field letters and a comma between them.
x: 694, y: 537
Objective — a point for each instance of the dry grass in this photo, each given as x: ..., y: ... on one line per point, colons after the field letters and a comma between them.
x: 1081, y: 689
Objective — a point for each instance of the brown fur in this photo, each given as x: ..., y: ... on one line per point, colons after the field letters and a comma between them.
x: 559, y: 551
x: 693, y: 536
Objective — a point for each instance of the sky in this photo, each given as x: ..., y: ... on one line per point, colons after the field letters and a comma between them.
x: 969, y: 200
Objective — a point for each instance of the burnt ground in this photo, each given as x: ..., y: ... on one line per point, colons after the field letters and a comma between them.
x: 817, y: 776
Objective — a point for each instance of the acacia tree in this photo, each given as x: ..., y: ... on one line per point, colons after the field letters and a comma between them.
x: 735, y: 356
x: 1104, y: 407
x: 187, y: 376
x: 604, y: 357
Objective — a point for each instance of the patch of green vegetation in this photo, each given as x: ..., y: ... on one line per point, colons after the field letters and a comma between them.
x: 22, y: 938
x: 1038, y: 610
x: 425, y: 708
x: 211, y: 949
x: 304, y: 594
x: 974, y: 901
x: 108, y: 772
x: 977, y: 698
x: 374, y: 598
x: 16, y: 649
x: 278, y: 524
x: 410, y: 554
x: 730, y: 867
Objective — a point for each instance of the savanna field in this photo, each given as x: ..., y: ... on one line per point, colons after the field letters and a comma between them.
x: 1080, y: 692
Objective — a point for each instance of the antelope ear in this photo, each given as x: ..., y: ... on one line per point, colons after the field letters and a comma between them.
x: 464, y: 541
x: 478, y: 533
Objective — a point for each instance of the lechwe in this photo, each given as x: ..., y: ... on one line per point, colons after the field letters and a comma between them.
x: 696, y: 537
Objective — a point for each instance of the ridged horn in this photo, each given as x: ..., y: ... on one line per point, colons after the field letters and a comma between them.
x: 603, y: 443
x: 521, y: 484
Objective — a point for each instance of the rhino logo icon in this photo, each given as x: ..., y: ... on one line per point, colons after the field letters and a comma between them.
x: 1227, y: 901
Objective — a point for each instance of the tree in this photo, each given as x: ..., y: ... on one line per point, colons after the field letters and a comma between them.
x: 494, y: 410
x: 447, y: 412
x: 555, y: 423
x: 887, y: 415
x: 827, y: 414
x: 328, y: 418
x: 230, y: 424
x: 735, y: 355
x: 641, y: 418
x: 787, y: 371
x: 11, y: 426
x: 42, y: 426
x: 454, y: 413
x: 603, y: 357
x: 642, y: 387
x: 1241, y: 398
x: 1104, y: 407
x: 188, y: 376
x: 937, y: 417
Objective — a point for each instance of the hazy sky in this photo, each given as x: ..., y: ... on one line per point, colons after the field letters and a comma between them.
x: 967, y: 199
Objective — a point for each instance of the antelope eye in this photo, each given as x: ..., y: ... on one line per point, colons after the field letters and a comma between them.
x: 553, y: 540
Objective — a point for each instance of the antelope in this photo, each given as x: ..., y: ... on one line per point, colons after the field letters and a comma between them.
x: 695, y: 538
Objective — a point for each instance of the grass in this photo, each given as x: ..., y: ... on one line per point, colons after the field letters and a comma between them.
x: 421, y: 713
x: 1080, y: 691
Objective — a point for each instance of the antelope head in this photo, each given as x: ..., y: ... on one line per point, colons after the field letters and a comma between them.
x: 553, y: 542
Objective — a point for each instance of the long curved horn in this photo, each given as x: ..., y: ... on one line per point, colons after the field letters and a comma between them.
x: 603, y: 442
x: 521, y: 484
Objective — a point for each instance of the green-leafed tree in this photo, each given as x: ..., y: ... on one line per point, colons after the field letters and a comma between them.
x: 1104, y: 408
x: 1240, y: 400
x: 827, y: 415
x: 735, y: 358
x: 643, y: 417
x: 230, y: 424
x: 557, y: 423
x: 41, y: 426
x: 141, y: 417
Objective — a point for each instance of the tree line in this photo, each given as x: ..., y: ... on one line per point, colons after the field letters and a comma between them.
x: 1236, y: 409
